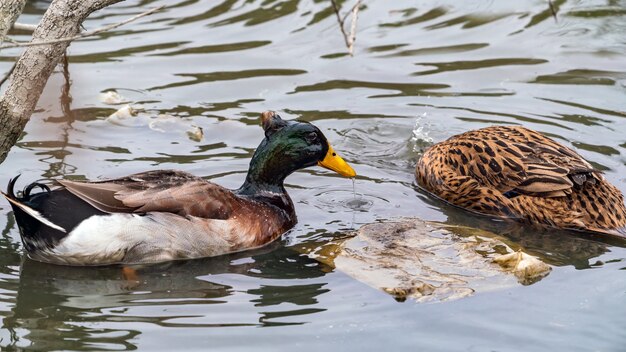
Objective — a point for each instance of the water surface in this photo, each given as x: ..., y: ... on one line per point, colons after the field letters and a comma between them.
x: 434, y: 67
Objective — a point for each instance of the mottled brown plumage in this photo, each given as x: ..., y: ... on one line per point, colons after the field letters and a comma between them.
x: 514, y: 172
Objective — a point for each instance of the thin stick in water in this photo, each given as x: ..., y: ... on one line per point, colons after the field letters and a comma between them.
x: 349, y: 38
x: 355, y: 14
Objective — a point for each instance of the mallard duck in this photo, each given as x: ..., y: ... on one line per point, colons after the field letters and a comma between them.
x: 514, y: 172
x: 166, y: 215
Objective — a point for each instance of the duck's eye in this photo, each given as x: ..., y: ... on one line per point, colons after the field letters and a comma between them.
x: 311, y: 137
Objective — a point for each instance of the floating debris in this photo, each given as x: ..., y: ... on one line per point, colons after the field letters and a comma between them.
x: 527, y: 269
x: 137, y: 116
x: 112, y: 97
x: 164, y: 123
x: 168, y: 123
x: 425, y: 261
x: 125, y: 112
x: 195, y: 133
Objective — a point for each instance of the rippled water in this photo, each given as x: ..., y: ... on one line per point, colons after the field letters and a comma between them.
x: 434, y: 67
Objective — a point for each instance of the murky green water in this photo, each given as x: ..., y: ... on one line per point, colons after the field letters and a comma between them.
x: 447, y: 66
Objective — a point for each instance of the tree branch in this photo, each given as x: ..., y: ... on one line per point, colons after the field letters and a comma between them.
x: 10, y: 10
x: 62, y: 20
x: 24, y: 27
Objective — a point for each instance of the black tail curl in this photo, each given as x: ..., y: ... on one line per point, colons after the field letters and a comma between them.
x: 40, y: 220
x: 25, y: 194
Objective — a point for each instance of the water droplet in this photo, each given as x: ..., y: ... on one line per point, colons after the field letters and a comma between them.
x: 358, y: 203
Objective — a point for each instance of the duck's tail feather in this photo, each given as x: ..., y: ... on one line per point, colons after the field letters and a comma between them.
x: 33, y: 213
x: 10, y: 188
x: 25, y: 194
x: 18, y: 202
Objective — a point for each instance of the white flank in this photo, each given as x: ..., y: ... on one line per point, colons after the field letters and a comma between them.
x: 36, y: 215
x: 99, y: 239
x: 131, y: 238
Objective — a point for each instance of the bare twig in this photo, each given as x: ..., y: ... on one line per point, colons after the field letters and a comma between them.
x: 84, y: 34
x: 36, y: 64
x: 345, y: 17
x: 355, y: 14
x: 10, y: 10
x: 351, y: 37
x: 341, y: 21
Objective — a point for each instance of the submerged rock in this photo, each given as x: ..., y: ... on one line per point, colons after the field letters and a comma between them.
x: 428, y: 261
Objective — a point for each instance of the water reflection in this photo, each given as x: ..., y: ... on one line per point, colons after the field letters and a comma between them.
x: 227, y: 76
x: 474, y: 65
x: 554, y: 247
x: 587, y: 77
x: 427, y: 16
x: 262, y: 14
x: 452, y: 49
x: 53, y: 304
x: 118, y: 55
x: 205, y: 49
x: 220, y: 9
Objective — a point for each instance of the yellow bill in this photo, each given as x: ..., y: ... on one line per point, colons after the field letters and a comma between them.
x: 334, y: 162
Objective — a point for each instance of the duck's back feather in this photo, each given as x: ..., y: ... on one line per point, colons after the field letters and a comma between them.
x: 161, y: 191
x: 515, y: 159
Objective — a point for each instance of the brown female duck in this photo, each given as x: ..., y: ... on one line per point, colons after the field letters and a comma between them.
x: 166, y: 215
x: 514, y: 172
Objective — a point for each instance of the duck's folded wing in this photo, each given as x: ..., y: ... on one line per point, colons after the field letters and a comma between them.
x: 157, y: 191
x: 522, y: 161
